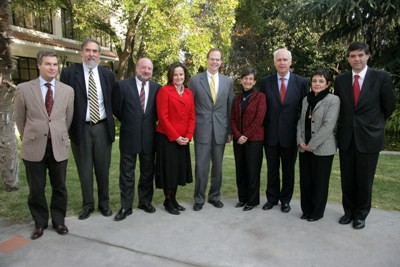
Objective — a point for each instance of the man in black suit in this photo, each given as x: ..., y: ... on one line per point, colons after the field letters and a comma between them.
x: 134, y: 106
x: 366, y: 99
x: 285, y: 92
x: 92, y: 131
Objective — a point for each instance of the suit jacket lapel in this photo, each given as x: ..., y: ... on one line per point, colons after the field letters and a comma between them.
x: 366, y: 86
x: 150, y: 97
x: 37, y: 92
x: 81, y: 81
x: 59, y: 97
x: 204, y: 83
x: 274, y: 87
x: 134, y: 91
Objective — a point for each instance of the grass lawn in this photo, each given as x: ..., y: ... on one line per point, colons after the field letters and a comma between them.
x: 13, y: 206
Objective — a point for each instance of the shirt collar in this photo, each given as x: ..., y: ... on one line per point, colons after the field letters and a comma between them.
x: 209, y: 75
x: 287, y: 76
x: 43, y: 82
x: 362, y: 73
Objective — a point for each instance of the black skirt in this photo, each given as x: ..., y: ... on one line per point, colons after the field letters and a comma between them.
x: 173, y: 164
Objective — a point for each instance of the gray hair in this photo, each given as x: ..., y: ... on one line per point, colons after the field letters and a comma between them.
x: 282, y: 50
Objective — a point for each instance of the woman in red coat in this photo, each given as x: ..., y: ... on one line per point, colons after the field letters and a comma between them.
x: 247, y: 123
x: 176, y: 122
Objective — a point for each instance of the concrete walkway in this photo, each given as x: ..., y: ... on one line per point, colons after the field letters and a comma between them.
x: 211, y: 237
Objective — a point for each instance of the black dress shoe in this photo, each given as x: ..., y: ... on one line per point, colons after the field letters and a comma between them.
x: 285, y: 207
x: 61, y: 229
x: 197, y: 206
x: 169, y: 206
x: 358, y: 224
x: 248, y: 207
x: 85, y: 213
x: 216, y: 203
x: 37, y: 232
x: 177, y: 206
x: 312, y: 219
x: 122, y: 213
x: 268, y: 206
x: 345, y: 219
x: 147, y: 208
x: 304, y: 217
x: 240, y: 204
x: 107, y: 212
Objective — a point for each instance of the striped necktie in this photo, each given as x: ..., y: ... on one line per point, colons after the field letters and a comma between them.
x: 93, y: 99
x: 142, y: 96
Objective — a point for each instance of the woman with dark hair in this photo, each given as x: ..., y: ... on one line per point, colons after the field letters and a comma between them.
x: 247, y: 123
x: 176, y: 122
x: 317, y: 145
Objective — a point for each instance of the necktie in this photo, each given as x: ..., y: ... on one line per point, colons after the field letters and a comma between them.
x: 212, y: 89
x: 356, y: 89
x: 49, y: 99
x: 48, y: 102
x: 282, y: 90
x: 93, y: 99
x: 142, y: 96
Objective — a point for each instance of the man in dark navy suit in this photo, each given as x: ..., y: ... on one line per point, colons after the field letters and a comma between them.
x: 284, y: 92
x: 134, y: 105
x: 366, y: 99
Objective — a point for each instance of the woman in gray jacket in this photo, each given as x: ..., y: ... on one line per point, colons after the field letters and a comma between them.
x: 317, y: 145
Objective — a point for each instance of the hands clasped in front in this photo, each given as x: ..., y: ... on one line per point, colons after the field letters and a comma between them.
x: 242, y: 139
x: 182, y: 140
x: 306, y: 147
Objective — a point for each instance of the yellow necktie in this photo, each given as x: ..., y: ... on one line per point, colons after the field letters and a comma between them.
x: 212, y: 89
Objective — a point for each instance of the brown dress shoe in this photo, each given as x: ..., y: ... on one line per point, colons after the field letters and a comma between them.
x: 61, y: 229
x: 37, y: 232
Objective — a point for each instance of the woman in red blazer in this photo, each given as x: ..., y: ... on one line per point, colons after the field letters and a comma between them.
x: 247, y: 123
x: 176, y: 122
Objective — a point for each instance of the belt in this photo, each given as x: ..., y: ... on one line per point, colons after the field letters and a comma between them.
x: 92, y: 124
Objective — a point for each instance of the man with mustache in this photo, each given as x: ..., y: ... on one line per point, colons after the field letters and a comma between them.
x: 92, y: 131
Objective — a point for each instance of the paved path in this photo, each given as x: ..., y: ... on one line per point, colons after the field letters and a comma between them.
x: 211, y: 237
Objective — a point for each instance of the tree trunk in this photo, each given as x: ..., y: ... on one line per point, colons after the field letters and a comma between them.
x: 8, y: 143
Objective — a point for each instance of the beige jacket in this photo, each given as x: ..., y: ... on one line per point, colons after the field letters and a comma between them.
x: 33, y: 122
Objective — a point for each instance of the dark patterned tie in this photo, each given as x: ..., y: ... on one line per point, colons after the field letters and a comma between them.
x: 48, y: 102
x: 283, y: 90
x: 142, y: 96
x: 356, y: 89
x: 49, y: 99
x: 93, y: 99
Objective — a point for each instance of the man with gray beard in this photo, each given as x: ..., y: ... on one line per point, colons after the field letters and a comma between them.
x: 92, y: 131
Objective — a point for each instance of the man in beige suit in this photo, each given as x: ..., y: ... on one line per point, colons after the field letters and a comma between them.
x: 43, y: 111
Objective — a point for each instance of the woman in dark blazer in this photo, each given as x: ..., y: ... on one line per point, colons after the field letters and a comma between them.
x: 317, y: 145
x: 176, y: 122
x: 247, y: 123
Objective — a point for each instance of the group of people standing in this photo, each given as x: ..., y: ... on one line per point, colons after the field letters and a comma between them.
x: 158, y: 123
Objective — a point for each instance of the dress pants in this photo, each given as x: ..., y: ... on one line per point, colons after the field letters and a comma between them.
x: 204, y: 153
x: 315, y: 172
x: 127, y: 168
x: 357, y: 176
x: 248, y: 161
x: 36, y: 176
x: 94, y: 152
x: 275, y: 156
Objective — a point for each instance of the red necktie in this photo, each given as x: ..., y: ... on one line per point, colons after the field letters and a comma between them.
x: 142, y: 96
x: 49, y: 99
x: 283, y: 90
x: 48, y: 102
x: 356, y: 89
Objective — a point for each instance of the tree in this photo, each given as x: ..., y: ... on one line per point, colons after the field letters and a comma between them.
x: 376, y: 22
x: 8, y: 143
x: 163, y: 30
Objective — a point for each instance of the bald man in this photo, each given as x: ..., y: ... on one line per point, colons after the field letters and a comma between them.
x: 134, y: 106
